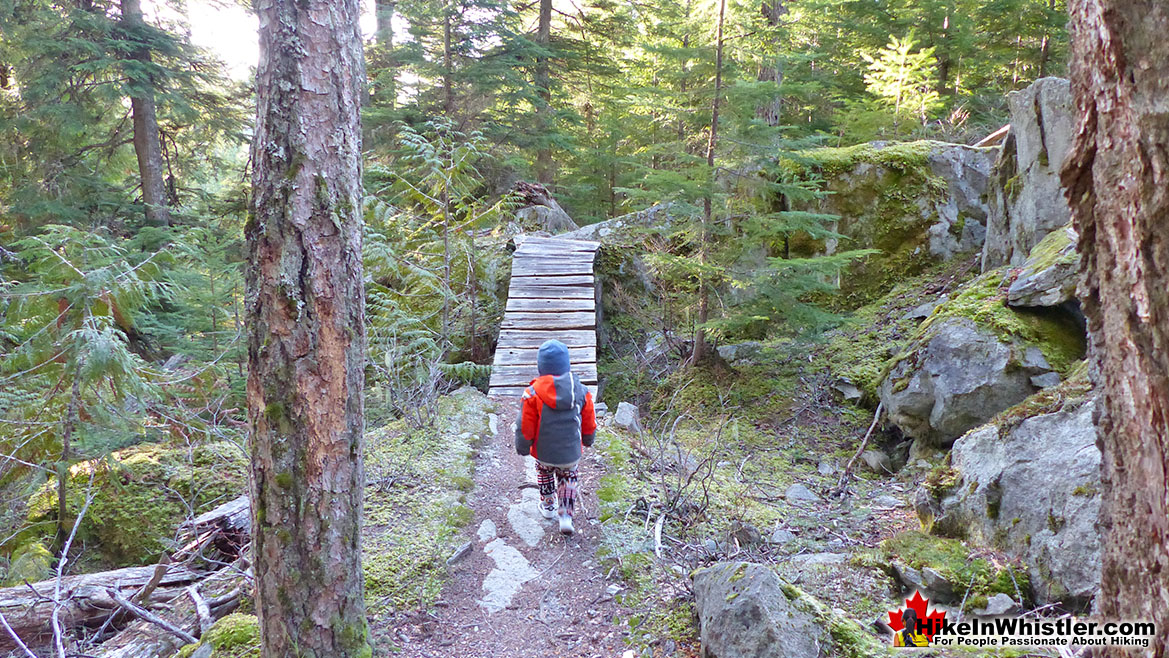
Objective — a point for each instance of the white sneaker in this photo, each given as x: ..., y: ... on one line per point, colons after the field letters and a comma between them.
x: 566, y: 525
x: 548, y: 509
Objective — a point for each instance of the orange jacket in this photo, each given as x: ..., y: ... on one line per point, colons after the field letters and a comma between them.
x: 556, y: 419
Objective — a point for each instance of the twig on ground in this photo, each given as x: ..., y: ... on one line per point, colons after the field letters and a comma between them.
x: 148, y: 616
x: 658, y: 535
x: 58, y: 639
x: 143, y: 595
x: 844, y: 477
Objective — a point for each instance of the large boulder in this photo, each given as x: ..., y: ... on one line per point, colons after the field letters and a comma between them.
x: 1049, y: 275
x: 743, y: 612
x: 974, y: 357
x: 541, y: 209
x: 1031, y: 487
x: 957, y: 378
x: 746, y: 611
x: 917, y: 202
x: 1026, y: 198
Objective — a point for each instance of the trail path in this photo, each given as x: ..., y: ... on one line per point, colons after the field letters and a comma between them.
x: 524, y: 590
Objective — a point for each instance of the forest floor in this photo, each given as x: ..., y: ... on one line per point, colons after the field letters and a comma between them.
x: 522, y: 589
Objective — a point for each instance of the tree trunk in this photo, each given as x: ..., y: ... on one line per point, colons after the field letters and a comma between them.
x: 544, y: 91
x: 699, y: 352
x: 147, y: 144
x: 385, y: 84
x: 448, y: 66
x: 769, y: 112
x: 1117, y: 183
x: 306, y: 342
x: 72, y: 418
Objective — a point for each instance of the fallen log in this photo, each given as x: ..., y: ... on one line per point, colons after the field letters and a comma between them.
x: 85, y: 600
x: 216, y: 538
x: 146, y: 638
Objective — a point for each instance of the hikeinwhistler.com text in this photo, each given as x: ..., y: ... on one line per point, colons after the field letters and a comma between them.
x: 1066, y: 631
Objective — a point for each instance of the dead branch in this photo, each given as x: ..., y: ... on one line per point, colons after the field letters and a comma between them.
x: 142, y: 613
x: 844, y: 477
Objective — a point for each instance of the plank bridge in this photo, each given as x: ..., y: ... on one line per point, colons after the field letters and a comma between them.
x: 552, y: 294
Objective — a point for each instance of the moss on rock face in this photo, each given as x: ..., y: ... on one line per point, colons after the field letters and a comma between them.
x: 849, y: 639
x: 235, y: 636
x: 141, y: 494
x: 983, y: 300
x: 968, y: 573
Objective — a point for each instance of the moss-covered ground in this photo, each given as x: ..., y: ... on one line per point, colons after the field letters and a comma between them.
x: 417, y: 480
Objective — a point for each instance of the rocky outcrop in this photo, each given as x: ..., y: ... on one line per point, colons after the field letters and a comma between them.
x: 1049, y: 275
x: 1030, y: 487
x: 973, y: 357
x: 1025, y: 197
x: 657, y: 215
x: 916, y: 202
x: 957, y: 378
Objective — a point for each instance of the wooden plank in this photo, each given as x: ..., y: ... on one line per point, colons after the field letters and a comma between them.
x: 550, y: 305
x: 517, y: 391
x: 552, y: 253
x: 535, y: 267
x: 576, y: 245
x: 525, y: 377
x: 531, y: 343
x: 551, y: 292
x: 571, y: 320
x: 569, y: 337
x: 519, y: 281
x: 518, y: 356
x: 586, y: 371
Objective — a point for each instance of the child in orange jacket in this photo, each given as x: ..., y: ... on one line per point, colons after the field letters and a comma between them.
x: 556, y: 422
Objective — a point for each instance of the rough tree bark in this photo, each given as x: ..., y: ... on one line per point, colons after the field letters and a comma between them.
x: 544, y: 91
x: 306, y: 342
x: 1117, y: 182
x: 147, y: 144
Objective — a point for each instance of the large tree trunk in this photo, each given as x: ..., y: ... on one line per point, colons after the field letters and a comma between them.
x: 147, y: 144
x: 544, y: 91
x: 1117, y: 183
x: 306, y: 342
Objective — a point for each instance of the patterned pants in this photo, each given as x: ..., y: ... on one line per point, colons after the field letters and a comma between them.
x: 547, y: 477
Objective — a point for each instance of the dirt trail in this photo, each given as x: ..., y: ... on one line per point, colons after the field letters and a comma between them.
x: 523, y: 590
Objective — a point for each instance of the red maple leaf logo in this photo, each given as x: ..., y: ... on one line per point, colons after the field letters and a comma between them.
x: 931, y: 621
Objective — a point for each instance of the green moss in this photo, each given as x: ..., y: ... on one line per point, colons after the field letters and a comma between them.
x: 849, y: 639
x: 904, y: 156
x: 31, y: 562
x: 413, y: 519
x: 1085, y: 490
x: 984, y: 301
x: 141, y: 495
x: 235, y: 636
x: 958, y: 564
x: 1056, y: 248
x: 1068, y: 395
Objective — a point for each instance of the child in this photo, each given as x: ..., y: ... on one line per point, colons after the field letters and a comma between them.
x: 556, y: 420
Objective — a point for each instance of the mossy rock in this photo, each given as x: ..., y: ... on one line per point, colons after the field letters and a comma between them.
x: 1057, y: 335
x: 969, y: 573
x: 141, y: 494
x: 31, y: 562
x: 849, y: 639
x: 235, y: 636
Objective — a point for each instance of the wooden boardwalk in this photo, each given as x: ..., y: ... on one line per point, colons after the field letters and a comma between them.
x: 552, y: 295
